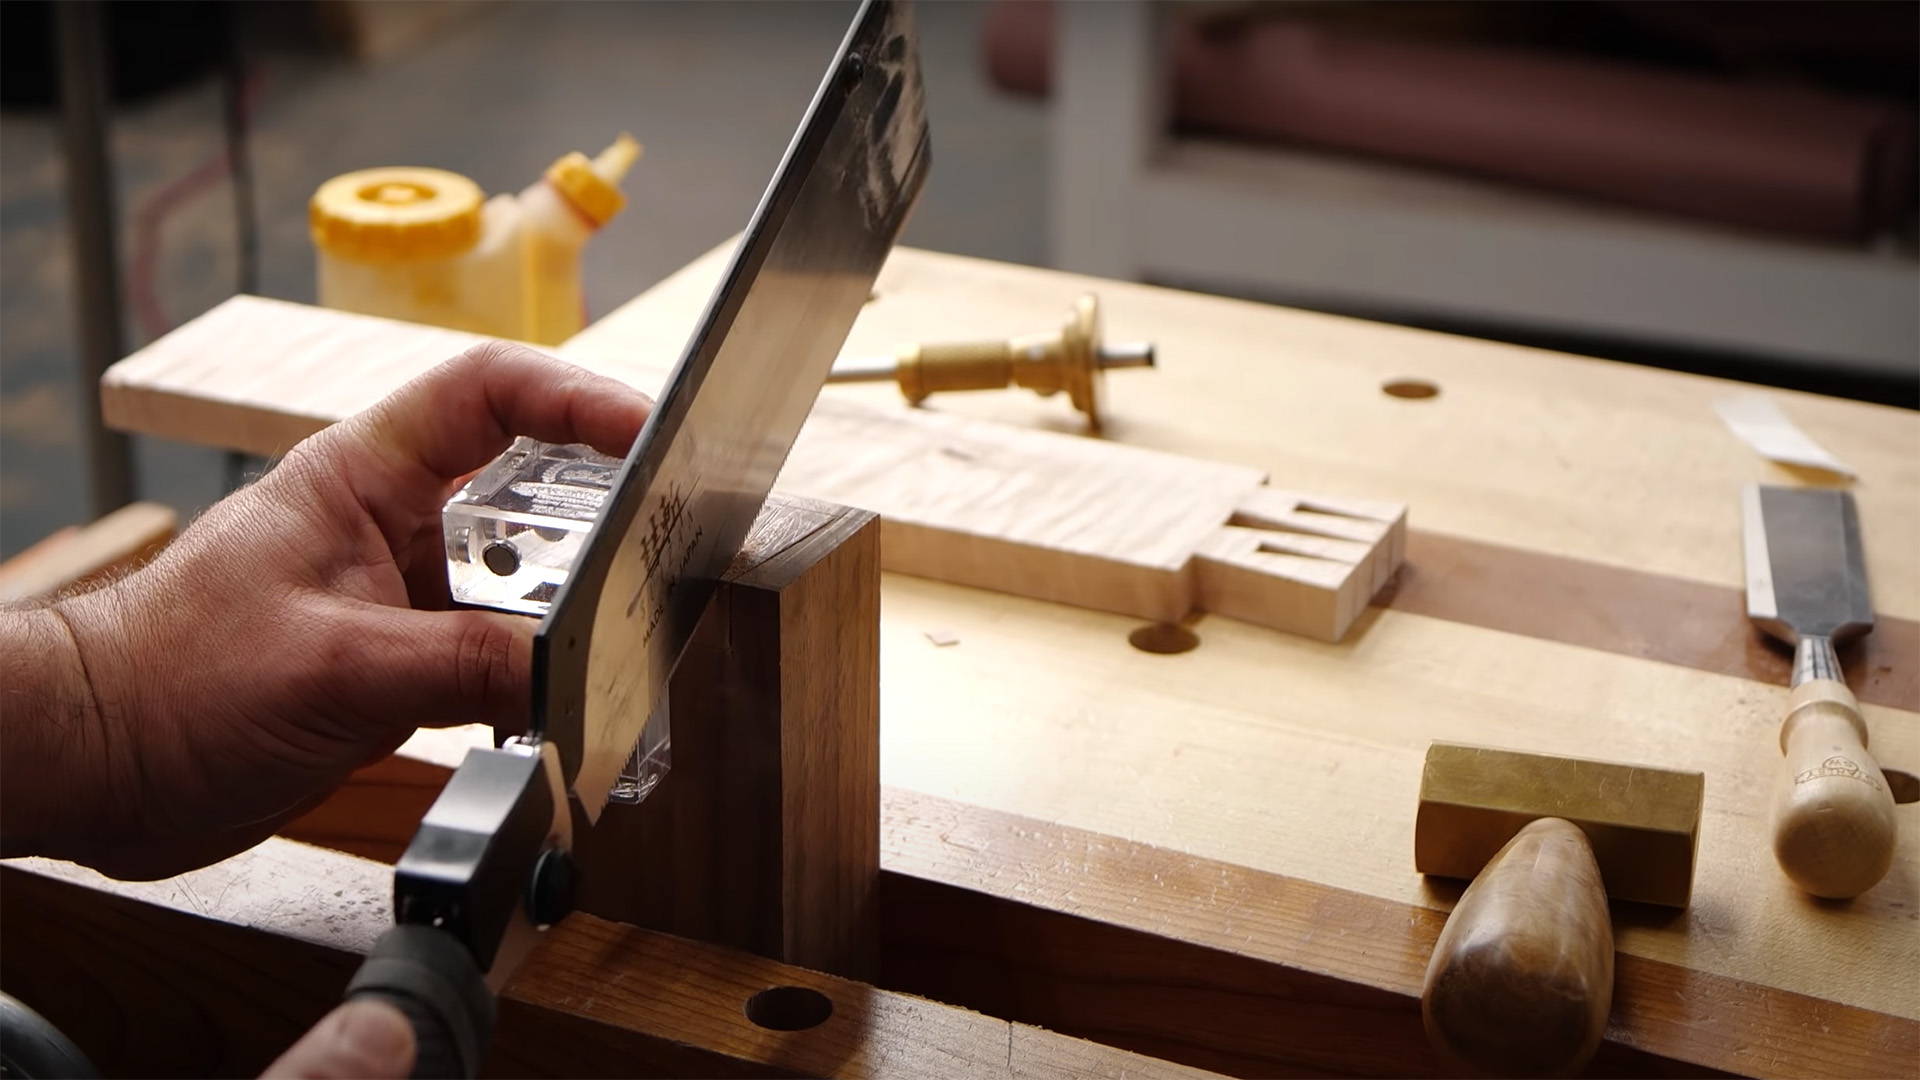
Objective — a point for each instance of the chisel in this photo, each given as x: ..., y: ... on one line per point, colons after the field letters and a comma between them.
x: 1807, y: 586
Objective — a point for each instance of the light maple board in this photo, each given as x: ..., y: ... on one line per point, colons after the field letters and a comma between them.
x: 1096, y: 524
x: 1035, y: 513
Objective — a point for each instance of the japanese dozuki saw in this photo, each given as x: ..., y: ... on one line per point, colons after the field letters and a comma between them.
x: 491, y: 863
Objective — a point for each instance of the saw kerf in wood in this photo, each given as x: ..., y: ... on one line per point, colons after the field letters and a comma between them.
x: 1034, y: 513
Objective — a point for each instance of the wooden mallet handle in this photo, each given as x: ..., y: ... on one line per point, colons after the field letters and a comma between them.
x: 1522, y: 975
x: 1833, y: 827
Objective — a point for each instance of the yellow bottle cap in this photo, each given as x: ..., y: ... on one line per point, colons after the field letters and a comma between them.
x: 593, y: 185
x: 574, y: 178
x: 378, y: 215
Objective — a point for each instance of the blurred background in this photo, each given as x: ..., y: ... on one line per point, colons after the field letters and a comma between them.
x: 1725, y: 187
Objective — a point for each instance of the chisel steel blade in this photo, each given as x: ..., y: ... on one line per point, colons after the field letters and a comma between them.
x: 1806, y: 575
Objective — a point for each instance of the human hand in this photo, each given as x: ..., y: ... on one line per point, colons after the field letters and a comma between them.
x: 361, y: 1040
x: 293, y: 633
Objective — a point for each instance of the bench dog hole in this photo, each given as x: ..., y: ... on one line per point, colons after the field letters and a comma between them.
x: 1411, y: 389
x: 789, y: 1008
x: 1164, y: 638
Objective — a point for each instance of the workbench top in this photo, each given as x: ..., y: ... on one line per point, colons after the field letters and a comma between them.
x: 1610, y: 463
x: 1573, y: 587
x: 1302, y: 759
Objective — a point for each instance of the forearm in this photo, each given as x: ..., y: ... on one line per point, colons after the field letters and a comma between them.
x: 56, y: 741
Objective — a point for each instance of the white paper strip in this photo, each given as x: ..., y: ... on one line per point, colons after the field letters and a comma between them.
x: 1757, y: 419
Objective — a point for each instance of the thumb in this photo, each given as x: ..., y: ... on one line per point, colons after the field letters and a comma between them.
x: 436, y: 668
x: 359, y: 1039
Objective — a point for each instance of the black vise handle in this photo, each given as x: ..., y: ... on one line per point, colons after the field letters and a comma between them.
x: 429, y: 976
x: 478, y: 864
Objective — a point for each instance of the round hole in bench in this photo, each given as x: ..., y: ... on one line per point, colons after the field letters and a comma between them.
x: 1411, y: 389
x: 789, y: 1008
x: 1164, y: 638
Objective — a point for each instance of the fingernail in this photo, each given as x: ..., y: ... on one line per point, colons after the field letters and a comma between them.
x: 377, y: 1032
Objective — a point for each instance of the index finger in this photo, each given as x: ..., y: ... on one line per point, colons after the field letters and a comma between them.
x: 462, y: 414
x: 402, y: 458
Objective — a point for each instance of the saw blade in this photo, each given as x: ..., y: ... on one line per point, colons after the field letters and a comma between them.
x: 702, y: 467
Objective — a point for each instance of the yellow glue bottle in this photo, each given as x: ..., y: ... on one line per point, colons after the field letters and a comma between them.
x: 421, y: 245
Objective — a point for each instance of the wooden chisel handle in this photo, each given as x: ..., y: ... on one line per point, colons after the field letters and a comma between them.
x: 1522, y: 974
x: 1833, y: 825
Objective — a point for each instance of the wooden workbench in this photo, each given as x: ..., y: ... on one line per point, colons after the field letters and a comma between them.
x: 1208, y: 856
